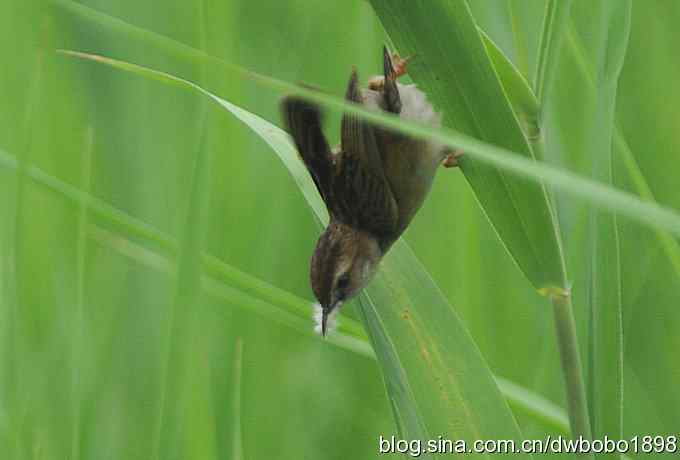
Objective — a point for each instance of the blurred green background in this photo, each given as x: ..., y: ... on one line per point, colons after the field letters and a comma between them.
x: 100, y: 358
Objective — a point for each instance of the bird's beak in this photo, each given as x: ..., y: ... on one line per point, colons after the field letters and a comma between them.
x: 324, y: 320
x: 326, y: 311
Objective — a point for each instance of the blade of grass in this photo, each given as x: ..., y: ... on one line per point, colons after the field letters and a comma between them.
x: 606, y: 25
x: 578, y: 48
x: 473, y: 101
x: 129, y: 225
x: 604, y: 59
x: 237, y: 441
x: 409, y: 379
x: 602, y: 195
x: 549, y: 415
x: 516, y: 87
x: 436, y: 377
x: 176, y: 81
x: 520, y: 399
x: 572, y: 369
x: 419, y: 341
x: 626, y: 204
x: 670, y: 246
x: 224, y: 282
x: 523, y: 33
x: 15, y: 397
x: 550, y: 44
x: 622, y: 150
x: 525, y: 220
x: 554, y: 21
x: 552, y: 35
x: 188, y: 276
x: 81, y: 257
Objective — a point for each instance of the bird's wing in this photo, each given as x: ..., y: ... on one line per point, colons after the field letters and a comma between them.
x: 363, y: 195
x: 304, y: 123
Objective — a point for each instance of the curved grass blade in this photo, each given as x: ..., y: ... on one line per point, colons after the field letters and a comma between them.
x: 237, y: 440
x: 220, y: 280
x: 461, y: 82
x: 601, y: 195
x: 436, y: 377
x: 520, y: 399
x: 554, y: 21
x: 517, y: 89
x: 509, y: 160
x: 420, y: 342
x: 548, y: 414
x: 226, y: 283
x: 553, y: 27
x: 187, y: 287
x: 81, y: 257
x: 622, y: 150
x: 606, y: 24
x: 669, y: 245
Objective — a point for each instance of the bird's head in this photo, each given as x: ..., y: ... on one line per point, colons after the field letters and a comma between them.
x: 344, y: 261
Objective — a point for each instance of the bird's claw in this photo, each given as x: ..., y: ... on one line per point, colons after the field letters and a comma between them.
x: 395, y: 67
x: 400, y: 65
x: 451, y: 159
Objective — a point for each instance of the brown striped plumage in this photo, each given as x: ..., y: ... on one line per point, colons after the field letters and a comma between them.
x: 372, y: 186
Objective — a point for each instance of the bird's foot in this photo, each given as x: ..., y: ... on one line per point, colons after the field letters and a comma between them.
x: 451, y: 159
x: 400, y: 65
x: 395, y: 68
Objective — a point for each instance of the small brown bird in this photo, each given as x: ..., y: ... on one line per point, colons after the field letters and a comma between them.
x: 373, y: 183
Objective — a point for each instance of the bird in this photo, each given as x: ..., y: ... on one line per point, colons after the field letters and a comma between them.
x: 372, y: 184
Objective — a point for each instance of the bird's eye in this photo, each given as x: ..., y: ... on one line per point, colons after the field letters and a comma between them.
x: 343, y: 282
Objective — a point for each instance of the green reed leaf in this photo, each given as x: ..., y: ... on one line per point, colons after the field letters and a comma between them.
x: 461, y: 81
x: 419, y: 340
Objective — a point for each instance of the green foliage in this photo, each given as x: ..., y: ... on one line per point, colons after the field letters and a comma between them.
x: 461, y: 82
x: 154, y: 300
